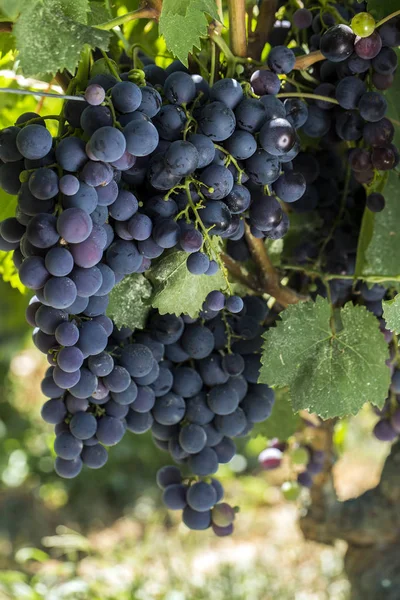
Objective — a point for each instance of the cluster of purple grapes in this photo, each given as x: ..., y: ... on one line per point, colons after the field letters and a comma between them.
x: 178, y: 378
x: 200, y: 501
x: 359, y: 59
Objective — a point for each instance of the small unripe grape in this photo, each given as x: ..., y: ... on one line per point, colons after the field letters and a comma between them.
x: 299, y: 456
x: 291, y: 490
x: 363, y: 24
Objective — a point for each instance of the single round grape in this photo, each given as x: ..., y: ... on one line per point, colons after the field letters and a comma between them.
x: 9, y: 151
x: 277, y: 136
x: 60, y: 292
x: 281, y: 59
x: 368, y: 47
x: 54, y: 411
x: 196, y: 520
x: 141, y: 137
x: 217, y: 121
x: 96, y: 173
x: 302, y: 18
x: 168, y: 475
x: 70, y: 359
x: 263, y: 168
x: 74, y: 225
x: 43, y: 183
x: 204, y: 463
x: 92, y: 338
x: 68, y: 468
x: 69, y: 185
x: 67, y: 446
x: 270, y: 458
x: 265, y: 82
x: 174, y: 496
x: 372, y: 106
x: 83, y: 425
x: 375, y: 202
x: 170, y: 122
x: 234, y: 304
x: 201, y: 496
x: 363, y: 24
x: 94, y: 94
x: 192, y: 438
x: 197, y: 263
x: 205, y: 148
x: 179, y: 88
x: 107, y: 144
x: 94, y: 456
x: 228, y: 91
x: 337, y: 43
x: 291, y: 490
x: 182, y: 158
x: 126, y: 96
x: 151, y: 101
x: 42, y: 232
x: 85, y: 199
x: 34, y: 141
x: 169, y: 409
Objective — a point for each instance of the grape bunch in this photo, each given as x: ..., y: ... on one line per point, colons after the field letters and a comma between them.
x: 183, y: 379
x: 200, y: 501
x: 360, y: 64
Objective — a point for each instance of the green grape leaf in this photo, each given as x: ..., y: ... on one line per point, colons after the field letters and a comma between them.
x: 49, y: 40
x: 382, y: 8
x: 176, y: 290
x: 183, y: 23
x: 76, y: 9
x: 283, y: 422
x: 12, y: 8
x: 391, y: 314
x: 8, y: 205
x: 378, y: 251
x: 129, y: 304
x: 7, y: 43
x: 9, y: 273
x: 330, y: 373
x: 382, y: 254
x: 98, y: 13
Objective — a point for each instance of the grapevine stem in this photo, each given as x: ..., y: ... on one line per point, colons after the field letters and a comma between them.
x: 268, y: 275
x: 385, y: 19
x: 146, y: 12
x: 205, y: 233
x: 111, y: 66
x: 310, y: 96
x: 237, y: 27
x: 240, y: 274
x: 316, y: 274
x: 305, y: 61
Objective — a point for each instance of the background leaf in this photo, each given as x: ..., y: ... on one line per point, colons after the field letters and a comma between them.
x: 382, y: 8
x: 128, y: 305
x: 176, y: 290
x: 391, y: 314
x: 49, y: 40
x: 332, y: 374
x: 183, y: 23
x: 283, y: 422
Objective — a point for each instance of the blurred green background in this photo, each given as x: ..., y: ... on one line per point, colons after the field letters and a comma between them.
x: 106, y: 536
